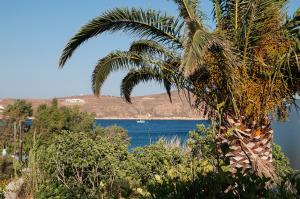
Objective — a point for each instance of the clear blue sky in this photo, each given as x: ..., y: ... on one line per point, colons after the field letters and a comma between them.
x: 34, y: 32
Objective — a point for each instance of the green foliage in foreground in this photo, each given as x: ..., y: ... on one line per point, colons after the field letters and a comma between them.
x: 53, y: 119
x: 50, y: 119
x: 2, y: 188
x: 7, y: 172
x: 6, y: 168
x: 97, y: 164
x: 15, y: 115
x: 18, y: 111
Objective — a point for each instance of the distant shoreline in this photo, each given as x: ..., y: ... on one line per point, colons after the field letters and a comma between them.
x: 148, y: 107
x: 131, y: 118
x: 159, y: 118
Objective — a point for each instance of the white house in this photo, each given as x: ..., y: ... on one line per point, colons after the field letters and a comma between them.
x: 4, y: 152
x: 74, y: 101
x: 1, y: 108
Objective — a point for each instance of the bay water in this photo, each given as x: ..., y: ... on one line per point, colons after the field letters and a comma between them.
x: 286, y: 134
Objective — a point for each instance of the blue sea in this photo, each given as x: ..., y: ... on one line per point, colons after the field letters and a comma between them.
x: 152, y: 130
x: 286, y: 134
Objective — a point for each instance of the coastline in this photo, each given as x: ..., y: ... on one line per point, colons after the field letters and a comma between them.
x: 153, y: 118
x: 156, y: 118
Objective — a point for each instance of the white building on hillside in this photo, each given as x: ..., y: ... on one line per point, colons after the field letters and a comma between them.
x: 1, y: 108
x: 74, y: 101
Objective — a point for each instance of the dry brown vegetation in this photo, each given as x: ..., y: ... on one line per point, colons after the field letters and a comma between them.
x: 156, y: 106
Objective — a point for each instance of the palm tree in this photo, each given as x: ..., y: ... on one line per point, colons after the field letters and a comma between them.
x: 244, y: 70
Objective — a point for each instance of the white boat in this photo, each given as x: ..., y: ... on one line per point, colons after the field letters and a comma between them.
x: 140, y: 121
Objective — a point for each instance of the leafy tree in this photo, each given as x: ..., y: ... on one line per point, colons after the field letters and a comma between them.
x: 81, y: 165
x: 54, y: 119
x: 6, y: 134
x: 19, y: 111
x: 99, y: 165
x: 16, y: 114
x: 243, y: 70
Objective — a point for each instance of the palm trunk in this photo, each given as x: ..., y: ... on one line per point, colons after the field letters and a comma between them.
x: 248, y: 148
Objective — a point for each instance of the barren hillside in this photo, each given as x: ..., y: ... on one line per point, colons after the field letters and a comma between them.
x: 155, y: 106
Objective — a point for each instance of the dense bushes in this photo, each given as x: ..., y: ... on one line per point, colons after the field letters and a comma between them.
x: 81, y: 163
x: 50, y: 119
x: 70, y: 158
x: 3, y: 184
x: 6, y: 168
x: 97, y: 164
x: 6, y: 173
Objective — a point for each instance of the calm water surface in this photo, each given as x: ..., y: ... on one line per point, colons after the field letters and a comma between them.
x: 149, y: 132
x: 286, y: 134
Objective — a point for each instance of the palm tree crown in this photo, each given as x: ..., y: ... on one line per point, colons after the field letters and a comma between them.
x: 246, y: 67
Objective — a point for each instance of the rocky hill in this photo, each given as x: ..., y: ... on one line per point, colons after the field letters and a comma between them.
x: 156, y: 106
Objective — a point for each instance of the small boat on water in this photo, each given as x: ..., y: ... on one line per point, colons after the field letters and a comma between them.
x: 140, y: 121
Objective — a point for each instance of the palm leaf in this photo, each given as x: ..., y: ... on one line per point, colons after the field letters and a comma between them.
x: 136, y: 76
x: 147, y: 23
x: 293, y: 25
x: 150, y: 47
x: 217, y: 11
x: 188, y: 10
x: 193, y: 24
x: 112, y: 62
x: 205, y: 43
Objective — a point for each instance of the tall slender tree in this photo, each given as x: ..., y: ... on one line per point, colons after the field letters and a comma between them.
x: 246, y: 69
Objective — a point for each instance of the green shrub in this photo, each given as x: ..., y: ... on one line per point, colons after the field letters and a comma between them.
x: 97, y: 164
x: 6, y: 173
x: 6, y: 168
x: 153, y: 160
x: 203, y: 173
x: 3, y: 184
x: 82, y: 165
x: 54, y: 119
x: 281, y: 162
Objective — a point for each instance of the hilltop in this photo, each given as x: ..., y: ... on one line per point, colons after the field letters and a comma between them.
x: 157, y: 106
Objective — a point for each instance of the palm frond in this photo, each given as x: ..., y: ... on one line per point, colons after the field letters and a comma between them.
x: 151, y: 47
x: 205, y: 43
x: 293, y: 24
x: 292, y: 57
x: 193, y: 24
x: 172, y: 75
x: 136, y: 76
x: 258, y: 20
x: 168, y: 85
x: 217, y: 11
x: 112, y: 62
x: 188, y: 10
x: 149, y: 23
